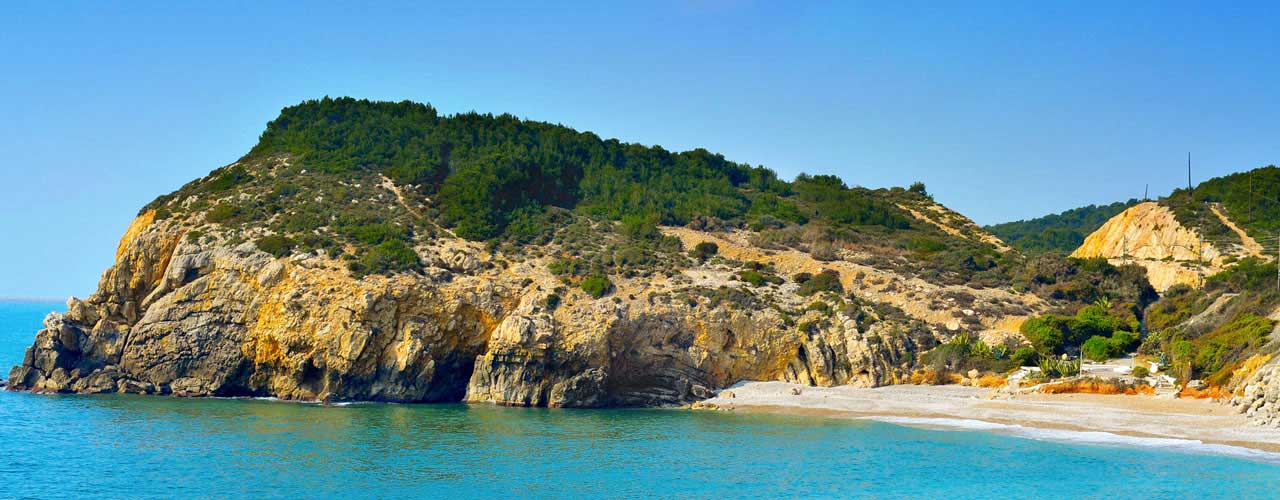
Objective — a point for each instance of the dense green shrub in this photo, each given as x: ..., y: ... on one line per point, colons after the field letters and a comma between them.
x: 566, y: 267
x: 925, y: 244
x: 826, y: 281
x: 1123, y: 342
x: 596, y: 285
x: 704, y: 250
x: 1249, y: 274
x: 1057, y: 334
x: 1046, y: 333
x: 827, y: 197
x: 771, y: 210
x: 386, y: 257
x: 276, y: 245
x: 1025, y: 356
x: 228, y: 179
x: 1098, y: 348
x: 222, y: 212
x: 752, y: 277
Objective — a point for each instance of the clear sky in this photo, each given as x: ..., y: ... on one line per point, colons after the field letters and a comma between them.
x: 1005, y: 110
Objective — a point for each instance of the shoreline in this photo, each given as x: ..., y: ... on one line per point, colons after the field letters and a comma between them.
x: 1190, y: 421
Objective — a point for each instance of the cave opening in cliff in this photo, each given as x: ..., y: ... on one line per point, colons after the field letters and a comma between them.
x: 452, y: 374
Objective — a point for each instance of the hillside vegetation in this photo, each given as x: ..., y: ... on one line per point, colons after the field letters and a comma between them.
x: 312, y: 182
x: 1251, y: 199
x: 383, y: 187
x: 1061, y: 232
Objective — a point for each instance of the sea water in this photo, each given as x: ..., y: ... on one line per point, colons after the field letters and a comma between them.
x: 114, y: 446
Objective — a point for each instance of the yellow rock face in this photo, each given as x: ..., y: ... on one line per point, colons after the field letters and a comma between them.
x: 1147, y: 234
x: 135, y: 228
x: 1146, y: 231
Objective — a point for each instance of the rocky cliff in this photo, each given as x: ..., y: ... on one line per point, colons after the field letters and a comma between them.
x: 175, y: 316
x: 380, y: 251
x: 1148, y: 234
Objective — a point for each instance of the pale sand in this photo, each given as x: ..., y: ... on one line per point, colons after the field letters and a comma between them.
x: 1143, y: 416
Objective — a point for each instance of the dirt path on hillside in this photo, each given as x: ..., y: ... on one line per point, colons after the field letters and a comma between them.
x: 1251, y: 246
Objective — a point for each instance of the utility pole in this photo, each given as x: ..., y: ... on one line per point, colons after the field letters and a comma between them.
x: 1146, y: 188
x: 1188, y: 171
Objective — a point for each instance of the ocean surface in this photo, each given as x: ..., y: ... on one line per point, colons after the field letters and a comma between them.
x: 157, y: 447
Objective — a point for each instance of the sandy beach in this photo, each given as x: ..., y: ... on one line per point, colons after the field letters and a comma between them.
x: 1158, y: 420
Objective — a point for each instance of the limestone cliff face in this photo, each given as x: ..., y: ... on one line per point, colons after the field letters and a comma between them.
x: 176, y: 316
x: 1149, y: 235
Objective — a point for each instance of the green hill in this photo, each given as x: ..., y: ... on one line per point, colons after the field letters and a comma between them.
x: 1061, y: 232
x: 1251, y: 199
x: 509, y: 181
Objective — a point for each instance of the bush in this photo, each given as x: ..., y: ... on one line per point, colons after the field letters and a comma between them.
x: 704, y: 250
x: 1098, y: 348
x: 566, y: 267
x: 229, y: 178
x: 924, y: 244
x: 221, y: 213
x: 640, y: 227
x: 276, y: 245
x: 1140, y: 371
x: 1025, y: 356
x: 1045, y: 333
x: 752, y: 277
x: 825, y: 281
x: 1123, y: 342
x: 596, y: 285
x: 389, y: 256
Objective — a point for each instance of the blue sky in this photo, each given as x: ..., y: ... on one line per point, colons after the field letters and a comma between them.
x: 1005, y: 110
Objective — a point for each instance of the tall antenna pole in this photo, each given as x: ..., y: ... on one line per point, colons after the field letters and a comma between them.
x: 1188, y: 170
x: 1146, y: 188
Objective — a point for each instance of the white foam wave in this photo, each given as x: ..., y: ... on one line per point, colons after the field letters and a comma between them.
x: 1096, y: 438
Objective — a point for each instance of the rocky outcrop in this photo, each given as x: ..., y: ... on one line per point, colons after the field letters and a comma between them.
x: 1258, y: 395
x: 1149, y: 235
x: 208, y: 317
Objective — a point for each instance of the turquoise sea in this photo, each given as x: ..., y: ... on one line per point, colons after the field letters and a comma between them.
x: 158, y: 447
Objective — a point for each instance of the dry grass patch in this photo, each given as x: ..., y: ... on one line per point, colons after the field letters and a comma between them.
x: 992, y: 381
x: 1097, y: 386
x: 1210, y: 392
x: 929, y: 376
